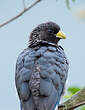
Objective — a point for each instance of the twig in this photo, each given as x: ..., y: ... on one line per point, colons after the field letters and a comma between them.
x: 20, y: 14
x: 75, y: 101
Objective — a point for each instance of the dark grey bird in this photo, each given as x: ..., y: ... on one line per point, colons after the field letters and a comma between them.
x: 42, y: 69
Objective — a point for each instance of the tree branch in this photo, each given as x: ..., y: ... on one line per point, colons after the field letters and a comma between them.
x: 75, y: 101
x: 20, y: 14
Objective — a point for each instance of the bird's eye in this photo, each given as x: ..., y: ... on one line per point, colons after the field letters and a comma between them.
x: 50, y: 31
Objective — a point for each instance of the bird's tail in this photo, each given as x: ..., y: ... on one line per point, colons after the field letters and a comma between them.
x: 56, y: 108
x: 21, y: 105
x: 34, y: 85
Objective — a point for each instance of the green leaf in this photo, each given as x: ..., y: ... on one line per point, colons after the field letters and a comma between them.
x: 82, y: 107
x: 68, y: 96
x: 73, y: 90
x: 73, y: 0
x: 68, y: 4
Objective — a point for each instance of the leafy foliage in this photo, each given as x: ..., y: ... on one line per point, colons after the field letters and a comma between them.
x: 73, y: 0
x: 71, y: 91
x: 68, y: 3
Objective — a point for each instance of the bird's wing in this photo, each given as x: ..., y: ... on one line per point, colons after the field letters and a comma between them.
x: 54, y: 66
x: 53, y: 71
x: 26, y: 75
x: 22, y: 75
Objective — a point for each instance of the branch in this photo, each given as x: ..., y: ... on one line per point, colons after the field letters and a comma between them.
x: 20, y: 14
x: 75, y: 101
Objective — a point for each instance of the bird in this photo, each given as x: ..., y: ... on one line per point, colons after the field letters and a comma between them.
x: 42, y: 69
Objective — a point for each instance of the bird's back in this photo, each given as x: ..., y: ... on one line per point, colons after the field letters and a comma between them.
x: 41, y: 73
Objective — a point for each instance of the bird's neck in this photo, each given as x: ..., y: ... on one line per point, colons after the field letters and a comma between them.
x: 43, y: 43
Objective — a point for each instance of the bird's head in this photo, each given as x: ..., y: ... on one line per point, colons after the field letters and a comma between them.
x: 49, y: 32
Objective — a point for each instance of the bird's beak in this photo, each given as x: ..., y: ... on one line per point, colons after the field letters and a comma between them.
x: 61, y: 35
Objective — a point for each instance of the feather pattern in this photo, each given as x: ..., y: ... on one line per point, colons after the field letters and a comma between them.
x: 41, y: 73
